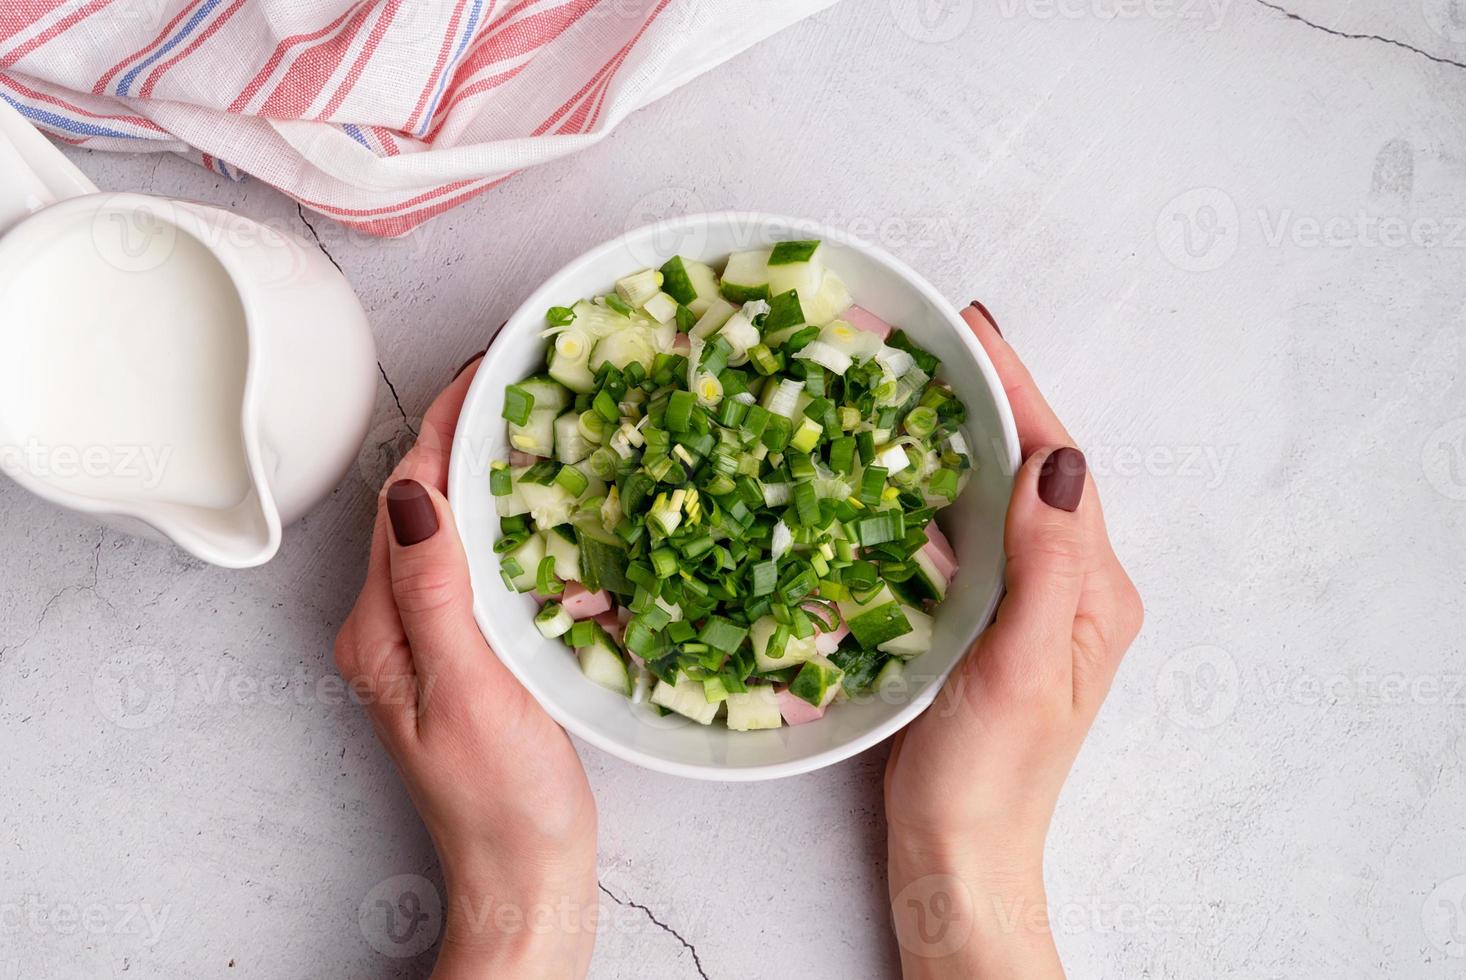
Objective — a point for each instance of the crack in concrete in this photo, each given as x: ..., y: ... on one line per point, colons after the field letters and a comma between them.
x: 56, y: 596
x: 315, y: 236
x: 300, y: 210
x: 398, y: 401
x: 1359, y: 37
x: 696, y: 961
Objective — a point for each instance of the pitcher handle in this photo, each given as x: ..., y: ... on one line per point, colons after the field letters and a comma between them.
x: 33, y: 173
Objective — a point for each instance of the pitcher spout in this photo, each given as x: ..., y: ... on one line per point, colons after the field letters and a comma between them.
x: 244, y: 536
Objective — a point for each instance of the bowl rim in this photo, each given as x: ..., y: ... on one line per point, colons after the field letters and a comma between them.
x: 756, y: 220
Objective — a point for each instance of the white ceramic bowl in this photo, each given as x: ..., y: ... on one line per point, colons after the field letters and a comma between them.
x: 974, y: 523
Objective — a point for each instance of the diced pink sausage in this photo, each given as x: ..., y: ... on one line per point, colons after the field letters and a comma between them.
x: 797, y: 711
x: 682, y: 344
x: 581, y: 604
x: 517, y: 458
x: 610, y: 622
x: 939, y: 550
x: 828, y: 643
x: 867, y: 321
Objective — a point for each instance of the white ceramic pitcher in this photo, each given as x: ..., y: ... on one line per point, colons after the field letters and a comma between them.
x: 171, y: 368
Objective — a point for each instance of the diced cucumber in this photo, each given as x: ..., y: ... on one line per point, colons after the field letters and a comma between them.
x: 602, y: 663
x: 803, y: 271
x: 661, y: 308
x: 880, y: 625
x: 571, y: 445
x: 785, y: 311
x: 931, y: 580
x: 537, y: 436
x: 718, y: 312
x: 849, y: 608
x: 687, y: 698
x: 549, y: 506
x: 528, y: 556
x: 832, y: 299
x: 566, y: 554
x: 817, y: 682
x: 793, y: 253
x: 917, y: 641
x: 757, y: 708
x: 639, y: 287
x: 796, y: 651
x: 630, y: 343
x: 547, y: 393
x: 513, y: 503
x: 691, y: 283
x: 570, y: 360
x: 892, y: 678
x: 746, y: 276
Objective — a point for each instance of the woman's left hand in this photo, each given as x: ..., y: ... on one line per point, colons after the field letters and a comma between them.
x: 497, y: 782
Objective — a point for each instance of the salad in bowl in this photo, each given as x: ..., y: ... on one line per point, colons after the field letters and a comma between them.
x: 722, y: 487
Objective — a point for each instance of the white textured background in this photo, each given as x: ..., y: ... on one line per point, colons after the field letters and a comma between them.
x: 1232, y: 247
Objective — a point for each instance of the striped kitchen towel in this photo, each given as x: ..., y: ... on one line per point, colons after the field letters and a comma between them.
x: 377, y: 113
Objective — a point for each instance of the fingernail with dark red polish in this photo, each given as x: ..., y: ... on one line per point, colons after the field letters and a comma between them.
x: 977, y: 305
x: 469, y: 363
x: 1061, y: 480
x: 411, y: 511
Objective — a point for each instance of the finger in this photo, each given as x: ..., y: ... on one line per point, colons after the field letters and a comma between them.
x: 427, y: 461
x: 1051, y: 547
x: 371, y: 648
x: 1037, y: 424
x: 1109, y: 618
x: 430, y: 584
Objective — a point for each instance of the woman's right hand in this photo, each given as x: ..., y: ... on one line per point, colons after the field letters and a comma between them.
x: 972, y: 784
x: 497, y: 782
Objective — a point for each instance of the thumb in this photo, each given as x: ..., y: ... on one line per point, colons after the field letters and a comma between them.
x: 1049, y: 546
x: 430, y: 582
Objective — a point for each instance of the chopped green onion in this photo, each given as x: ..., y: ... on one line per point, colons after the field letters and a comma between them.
x: 888, y: 525
x: 605, y: 406
x: 501, y: 483
x: 604, y: 463
x: 584, y: 633
x: 944, y: 484
x: 552, y: 620
x: 872, y: 485
x: 842, y: 454
x: 765, y: 577
x: 518, y: 404
x: 542, y: 473
x: 920, y: 422
x: 572, y: 480
x: 764, y: 361
x: 545, y: 582
x: 721, y: 634
x: 679, y: 411
x: 807, y: 436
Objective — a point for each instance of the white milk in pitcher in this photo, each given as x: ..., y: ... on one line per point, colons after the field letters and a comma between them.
x: 122, y: 370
